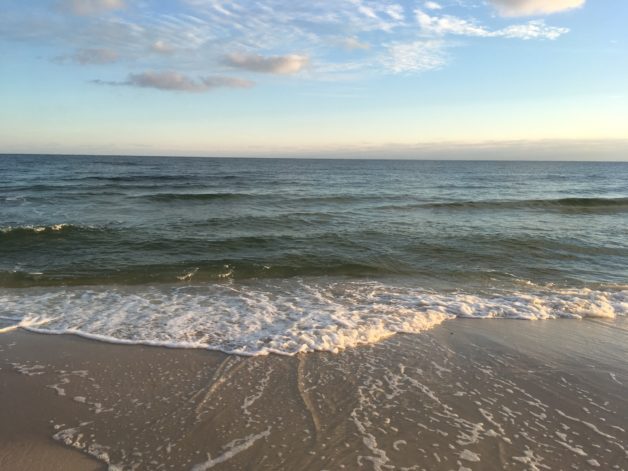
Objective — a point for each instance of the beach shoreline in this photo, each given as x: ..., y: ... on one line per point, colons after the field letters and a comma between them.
x: 474, y: 394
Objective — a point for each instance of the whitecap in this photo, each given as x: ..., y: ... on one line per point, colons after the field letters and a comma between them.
x: 283, y: 316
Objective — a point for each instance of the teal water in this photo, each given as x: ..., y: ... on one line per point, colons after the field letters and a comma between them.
x: 305, y: 235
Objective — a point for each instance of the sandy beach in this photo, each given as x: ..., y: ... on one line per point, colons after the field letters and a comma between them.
x: 466, y: 395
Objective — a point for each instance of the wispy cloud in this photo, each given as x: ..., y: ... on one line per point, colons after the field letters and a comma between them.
x: 175, y: 81
x: 162, y: 47
x: 447, y: 24
x: 417, y: 56
x: 280, y: 65
x: 216, y: 36
x: 534, y: 7
x: 531, y: 30
x: 95, y: 56
x: 91, y: 7
x: 352, y: 43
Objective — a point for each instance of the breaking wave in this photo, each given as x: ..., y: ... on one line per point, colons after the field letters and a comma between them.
x: 285, y: 317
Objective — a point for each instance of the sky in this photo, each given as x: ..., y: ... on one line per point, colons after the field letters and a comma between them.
x: 349, y: 78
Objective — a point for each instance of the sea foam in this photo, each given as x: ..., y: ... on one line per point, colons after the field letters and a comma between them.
x: 286, y: 316
x: 34, y: 229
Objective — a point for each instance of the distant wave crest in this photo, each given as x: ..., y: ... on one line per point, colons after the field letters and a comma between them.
x: 165, y: 197
x: 30, y: 229
x: 575, y: 204
x: 21, y: 238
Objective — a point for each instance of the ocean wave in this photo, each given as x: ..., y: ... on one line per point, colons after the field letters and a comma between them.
x: 14, y: 199
x: 286, y: 317
x: 165, y: 197
x: 20, y: 237
x: 31, y: 229
x: 138, y: 178
x: 201, y: 271
x: 564, y: 204
x: 82, y: 255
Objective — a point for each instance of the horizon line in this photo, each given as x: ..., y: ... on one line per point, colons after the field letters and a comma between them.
x: 555, y: 149
x: 306, y: 158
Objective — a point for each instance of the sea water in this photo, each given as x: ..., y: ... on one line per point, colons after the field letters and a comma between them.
x: 252, y: 256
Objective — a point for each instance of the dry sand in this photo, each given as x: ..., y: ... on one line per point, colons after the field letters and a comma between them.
x: 467, y: 395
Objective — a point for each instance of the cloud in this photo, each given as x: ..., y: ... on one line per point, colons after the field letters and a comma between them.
x: 192, y: 35
x: 91, y: 7
x: 418, y: 56
x: 175, y: 81
x: 162, y: 47
x: 534, y: 7
x: 96, y: 56
x: 531, y: 30
x: 279, y: 65
x: 395, y: 12
x: 381, y: 15
x: 447, y: 24
x: 354, y: 43
x: 432, y: 6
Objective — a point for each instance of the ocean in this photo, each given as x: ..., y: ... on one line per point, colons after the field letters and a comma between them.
x: 253, y: 256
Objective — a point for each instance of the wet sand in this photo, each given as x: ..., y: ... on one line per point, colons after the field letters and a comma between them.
x: 467, y: 395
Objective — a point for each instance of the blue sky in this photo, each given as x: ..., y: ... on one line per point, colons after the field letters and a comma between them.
x: 449, y: 78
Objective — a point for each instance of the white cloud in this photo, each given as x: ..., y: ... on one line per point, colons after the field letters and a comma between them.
x: 280, y: 65
x: 175, y: 81
x: 395, y: 12
x: 447, y: 24
x: 91, y: 7
x: 534, y: 7
x: 432, y: 6
x: 378, y: 15
x: 162, y: 47
x: 367, y: 11
x: 531, y: 30
x: 417, y: 56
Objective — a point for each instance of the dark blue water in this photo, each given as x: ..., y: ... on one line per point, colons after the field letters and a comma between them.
x: 129, y: 225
